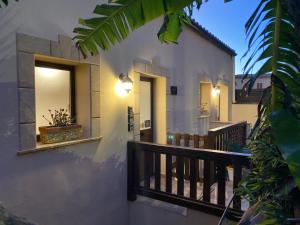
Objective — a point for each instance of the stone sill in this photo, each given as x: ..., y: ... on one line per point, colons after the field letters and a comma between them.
x: 203, y: 116
x: 51, y: 147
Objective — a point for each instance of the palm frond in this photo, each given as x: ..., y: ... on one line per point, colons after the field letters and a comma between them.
x: 116, y: 20
x: 260, y: 30
x: 172, y: 27
x: 274, y: 42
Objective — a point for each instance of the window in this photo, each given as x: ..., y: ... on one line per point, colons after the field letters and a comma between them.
x: 54, y: 89
x: 259, y: 85
x: 39, y: 91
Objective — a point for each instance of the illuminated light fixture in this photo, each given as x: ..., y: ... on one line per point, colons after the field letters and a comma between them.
x: 216, y: 91
x: 124, y: 85
x: 126, y: 82
x: 47, y: 72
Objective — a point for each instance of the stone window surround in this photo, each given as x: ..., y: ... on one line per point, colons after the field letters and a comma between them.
x: 29, y: 49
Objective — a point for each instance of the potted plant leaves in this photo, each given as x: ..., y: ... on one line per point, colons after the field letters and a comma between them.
x: 60, y: 128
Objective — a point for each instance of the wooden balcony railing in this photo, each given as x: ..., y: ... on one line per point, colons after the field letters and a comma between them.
x: 150, y: 173
x: 221, y: 138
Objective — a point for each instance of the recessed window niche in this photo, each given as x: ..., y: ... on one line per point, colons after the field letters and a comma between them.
x: 54, y: 75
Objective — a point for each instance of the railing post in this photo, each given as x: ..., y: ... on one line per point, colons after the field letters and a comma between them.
x: 187, y: 139
x: 131, y: 172
x: 237, y: 176
x: 169, y: 173
x: 206, y: 181
x: 221, y: 177
x: 209, y: 142
x: 245, y: 133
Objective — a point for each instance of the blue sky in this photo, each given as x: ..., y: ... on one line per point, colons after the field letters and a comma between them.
x: 226, y: 21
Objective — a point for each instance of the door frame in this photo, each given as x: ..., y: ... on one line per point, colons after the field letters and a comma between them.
x: 151, y: 81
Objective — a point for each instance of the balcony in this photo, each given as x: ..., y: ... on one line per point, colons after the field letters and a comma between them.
x: 197, y: 178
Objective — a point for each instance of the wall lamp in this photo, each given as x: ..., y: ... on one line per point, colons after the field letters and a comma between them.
x: 216, y: 91
x: 126, y: 82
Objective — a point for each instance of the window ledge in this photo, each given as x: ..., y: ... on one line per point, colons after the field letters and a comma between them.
x: 56, y: 146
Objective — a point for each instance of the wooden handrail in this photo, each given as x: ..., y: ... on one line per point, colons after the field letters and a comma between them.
x: 228, y: 126
x: 221, y: 138
x: 207, y: 154
x: 145, y: 175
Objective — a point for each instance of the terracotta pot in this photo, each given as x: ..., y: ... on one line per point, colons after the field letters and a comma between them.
x: 51, y: 134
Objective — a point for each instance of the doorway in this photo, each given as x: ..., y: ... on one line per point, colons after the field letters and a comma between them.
x: 146, y: 109
x: 224, y: 103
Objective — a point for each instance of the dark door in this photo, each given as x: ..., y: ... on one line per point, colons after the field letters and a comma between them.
x: 146, y: 109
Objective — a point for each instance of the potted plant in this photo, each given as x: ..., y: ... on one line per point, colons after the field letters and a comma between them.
x: 204, y: 109
x: 60, y: 128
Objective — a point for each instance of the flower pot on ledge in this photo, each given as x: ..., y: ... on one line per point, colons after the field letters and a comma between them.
x: 52, y: 134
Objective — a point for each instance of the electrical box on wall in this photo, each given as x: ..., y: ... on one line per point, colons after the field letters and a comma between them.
x: 173, y: 90
x: 130, y: 119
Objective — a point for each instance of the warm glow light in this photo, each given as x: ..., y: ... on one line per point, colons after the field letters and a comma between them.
x: 124, y: 85
x: 127, y: 86
x: 216, y: 91
x: 46, y: 72
x: 120, y: 89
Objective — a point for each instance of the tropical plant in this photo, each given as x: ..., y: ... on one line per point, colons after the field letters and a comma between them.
x: 115, y: 20
x: 273, y: 40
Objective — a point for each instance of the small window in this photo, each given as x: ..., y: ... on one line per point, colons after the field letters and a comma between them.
x: 54, y: 90
x: 259, y: 85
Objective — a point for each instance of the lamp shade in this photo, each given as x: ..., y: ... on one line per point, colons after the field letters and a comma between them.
x: 127, y: 83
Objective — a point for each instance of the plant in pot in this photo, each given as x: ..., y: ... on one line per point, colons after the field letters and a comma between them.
x: 60, y: 128
x: 204, y: 111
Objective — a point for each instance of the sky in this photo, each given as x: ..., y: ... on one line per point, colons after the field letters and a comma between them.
x: 227, y: 21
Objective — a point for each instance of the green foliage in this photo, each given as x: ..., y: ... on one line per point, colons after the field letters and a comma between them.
x: 273, y: 40
x: 172, y: 27
x: 60, y: 118
x: 115, y: 20
x: 269, y: 176
x: 285, y: 128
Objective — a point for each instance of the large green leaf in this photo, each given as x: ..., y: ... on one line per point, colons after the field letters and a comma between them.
x: 172, y: 27
x: 277, y: 44
x: 286, y: 131
x: 116, y: 20
x: 273, y: 42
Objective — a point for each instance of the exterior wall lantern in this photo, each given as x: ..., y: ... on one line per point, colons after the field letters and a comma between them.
x: 126, y: 82
x: 124, y: 85
x: 216, y: 91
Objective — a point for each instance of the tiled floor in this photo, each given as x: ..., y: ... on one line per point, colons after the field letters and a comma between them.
x: 214, y: 189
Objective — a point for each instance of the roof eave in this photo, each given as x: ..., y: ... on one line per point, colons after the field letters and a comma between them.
x: 211, y: 38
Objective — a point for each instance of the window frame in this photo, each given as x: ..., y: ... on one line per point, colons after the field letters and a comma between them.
x: 30, y: 49
x: 64, y: 67
x: 259, y: 85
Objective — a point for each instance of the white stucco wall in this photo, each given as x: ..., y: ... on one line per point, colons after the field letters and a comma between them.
x: 86, y: 183
x: 82, y: 184
x: 197, y: 60
x: 244, y: 112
